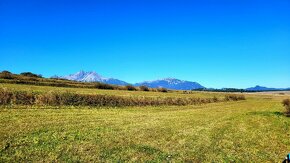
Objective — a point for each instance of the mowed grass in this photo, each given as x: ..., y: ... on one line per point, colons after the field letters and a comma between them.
x: 254, y: 130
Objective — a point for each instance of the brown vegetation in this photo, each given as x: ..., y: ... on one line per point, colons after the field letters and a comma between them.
x: 286, y: 104
x: 234, y: 97
x: 11, y: 97
x: 130, y: 88
x: 144, y: 88
x: 162, y: 90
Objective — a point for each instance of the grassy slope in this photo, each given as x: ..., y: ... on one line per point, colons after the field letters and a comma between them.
x: 242, y: 131
x: 109, y: 92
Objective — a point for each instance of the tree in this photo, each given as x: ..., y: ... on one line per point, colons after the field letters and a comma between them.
x: 29, y: 74
x: 6, y: 75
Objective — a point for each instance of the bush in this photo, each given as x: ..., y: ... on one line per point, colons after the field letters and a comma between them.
x: 29, y: 74
x: 23, y: 98
x: 103, y: 86
x: 16, y: 97
x: 286, y: 104
x: 187, y: 92
x: 162, y: 90
x: 130, y: 88
x: 233, y: 97
x: 5, y: 96
x: 215, y: 99
x: 144, y: 88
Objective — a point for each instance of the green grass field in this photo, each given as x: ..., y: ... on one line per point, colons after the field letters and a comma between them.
x: 253, y: 130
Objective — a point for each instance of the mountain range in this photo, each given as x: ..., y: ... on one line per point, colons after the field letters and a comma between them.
x: 261, y: 88
x: 169, y: 83
x: 92, y: 76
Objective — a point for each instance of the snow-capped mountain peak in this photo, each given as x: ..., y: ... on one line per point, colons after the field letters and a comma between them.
x: 171, y: 83
x: 172, y: 80
x: 92, y: 76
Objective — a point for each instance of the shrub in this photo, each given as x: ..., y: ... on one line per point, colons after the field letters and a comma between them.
x: 16, y: 97
x: 215, y: 99
x: 187, y: 92
x: 162, y: 90
x: 130, y: 88
x: 23, y: 98
x: 49, y: 98
x: 286, y: 104
x: 144, y: 88
x: 103, y: 86
x: 5, y: 96
x: 233, y: 97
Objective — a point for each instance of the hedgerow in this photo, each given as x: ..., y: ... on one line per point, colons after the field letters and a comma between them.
x: 52, y: 98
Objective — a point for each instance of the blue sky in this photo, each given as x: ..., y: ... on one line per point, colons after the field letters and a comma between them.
x: 218, y: 43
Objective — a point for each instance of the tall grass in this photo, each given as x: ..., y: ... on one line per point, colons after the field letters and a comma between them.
x: 234, y: 97
x: 11, y: 97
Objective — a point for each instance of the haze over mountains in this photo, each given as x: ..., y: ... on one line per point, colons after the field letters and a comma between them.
x: 169, y: 83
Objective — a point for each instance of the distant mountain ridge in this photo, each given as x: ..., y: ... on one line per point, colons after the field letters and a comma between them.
x: 262, y: 88
x: 171, y: 83
x: 92, y: 76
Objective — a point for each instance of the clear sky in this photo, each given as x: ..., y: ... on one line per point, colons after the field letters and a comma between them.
x: 218, y: 43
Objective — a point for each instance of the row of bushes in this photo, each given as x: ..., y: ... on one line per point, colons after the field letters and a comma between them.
x: 10, y: 97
